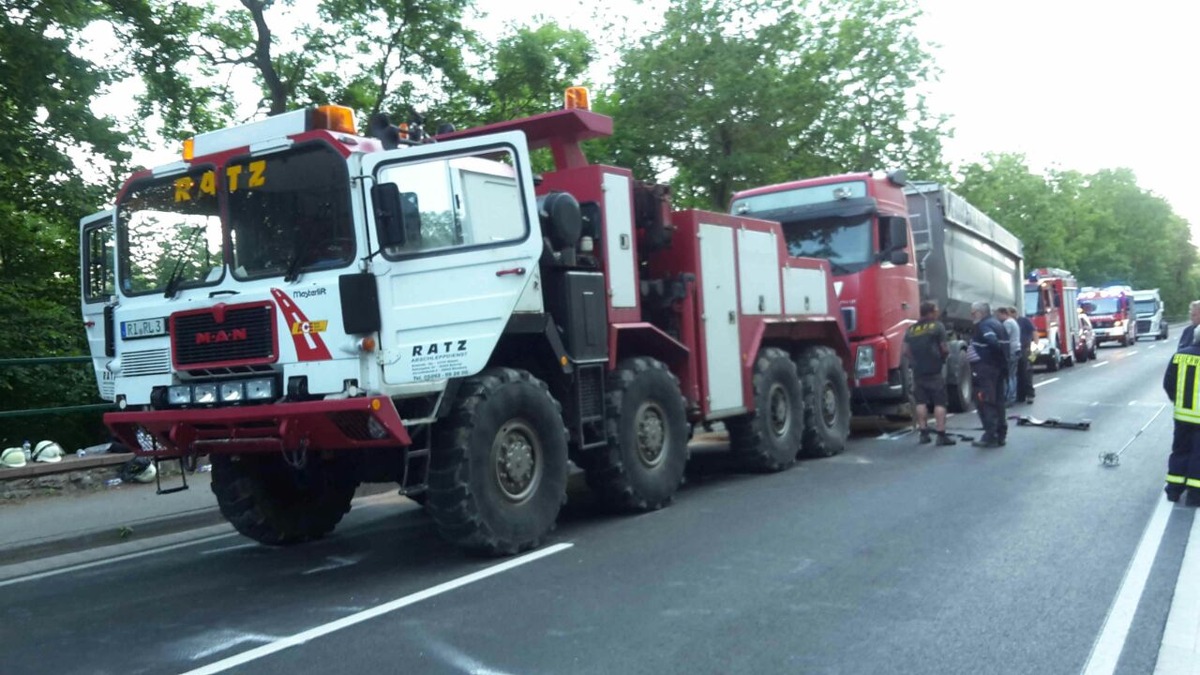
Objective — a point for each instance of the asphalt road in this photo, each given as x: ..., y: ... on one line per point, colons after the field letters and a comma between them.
x: 892, y: 558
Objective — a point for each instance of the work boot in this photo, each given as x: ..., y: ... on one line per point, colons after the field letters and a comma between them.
x: 924, y: 437
x: 986, y: 442
x: 1173, y: 495
x: 943, y: 439
x: 1193, y: 498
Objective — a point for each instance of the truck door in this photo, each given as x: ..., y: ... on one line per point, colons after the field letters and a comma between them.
x: 468, y: 246
x: 97, y: 292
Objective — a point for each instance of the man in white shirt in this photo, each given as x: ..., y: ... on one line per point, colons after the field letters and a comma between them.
x: 1014, y: 352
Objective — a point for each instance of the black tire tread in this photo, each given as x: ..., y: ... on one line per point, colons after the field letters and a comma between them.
x: 747, y: 433
x: 256, y: 510
x: 813, y: 361
x: 604, y: 469
x: 448, y: 499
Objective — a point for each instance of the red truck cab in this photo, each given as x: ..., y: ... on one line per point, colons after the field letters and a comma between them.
x: 1050, y: 303
x: 859, y: 223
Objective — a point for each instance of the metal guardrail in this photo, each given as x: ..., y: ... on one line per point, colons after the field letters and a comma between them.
x: 59, y: 410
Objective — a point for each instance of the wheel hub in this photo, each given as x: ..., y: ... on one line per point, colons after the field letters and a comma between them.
x: 829, y: 404
x: 779, y: 405
x: 516, y: 453
x: 651, y: 430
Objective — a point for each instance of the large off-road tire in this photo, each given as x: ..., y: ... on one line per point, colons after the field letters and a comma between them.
x: 826, y: 402
x: 769, y: 438
x: 647, y: 428
x: 273, y: 503
x: 498, y: 467
x: 961, y: 394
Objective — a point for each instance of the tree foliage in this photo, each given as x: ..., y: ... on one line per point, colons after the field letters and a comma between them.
x: 731, y: 94
x: 1101, y: 226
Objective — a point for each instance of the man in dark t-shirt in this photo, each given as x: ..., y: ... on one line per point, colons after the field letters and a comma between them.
x: 925, y: 344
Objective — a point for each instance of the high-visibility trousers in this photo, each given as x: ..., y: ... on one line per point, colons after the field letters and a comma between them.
x: 1183, y: 466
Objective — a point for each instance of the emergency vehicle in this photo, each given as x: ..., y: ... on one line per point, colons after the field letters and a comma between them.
x: 313, y: 307
x: 1112, y: 313
x: 1051, y: 304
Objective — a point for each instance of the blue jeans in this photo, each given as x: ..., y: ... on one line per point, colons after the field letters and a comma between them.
x: 1010, y: 389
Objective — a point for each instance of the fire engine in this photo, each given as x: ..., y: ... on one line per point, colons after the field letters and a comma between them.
x: 1051, y: 304
x: 1112, y: 313
x: 313, y: 308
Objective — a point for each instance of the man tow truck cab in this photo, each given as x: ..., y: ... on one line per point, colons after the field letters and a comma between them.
x: 1111, y: 311
x: 313, y: 308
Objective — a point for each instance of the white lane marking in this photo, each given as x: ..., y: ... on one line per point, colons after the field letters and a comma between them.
x: 1102, y: 363
x: 379, y: 610
x: 1094, y: 403
x: 109, y: 561
x: 1133, y: 402
x: 235, y: 547
x: 1053, y: 379
x: 1179, y: 653
x: 335, y: 562
x: 1106, y: 652
x: 1151, y: 347
x: 1131, y: 352
x: 228, y: 640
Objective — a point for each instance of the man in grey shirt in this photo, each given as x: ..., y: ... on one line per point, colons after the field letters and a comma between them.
x: 1014, y: 352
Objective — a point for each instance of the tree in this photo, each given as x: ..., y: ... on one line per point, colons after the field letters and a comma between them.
x: 733, y: 94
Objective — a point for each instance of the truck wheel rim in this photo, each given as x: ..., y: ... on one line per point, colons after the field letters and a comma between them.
x: 651, y: 430
x: 516, y: 456
x: 780, y: 406
x: 829, y: 404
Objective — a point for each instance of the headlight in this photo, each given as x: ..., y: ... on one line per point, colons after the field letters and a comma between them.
x: 204, y: 393
x: 179, y: 395
x: 260, y: 390
x: 864, y: 362
x: 1042, y: 345
x: 1118, y: 323
x: 232, y: 392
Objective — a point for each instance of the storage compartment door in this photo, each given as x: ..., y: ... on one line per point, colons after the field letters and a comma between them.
x: 722, y: 349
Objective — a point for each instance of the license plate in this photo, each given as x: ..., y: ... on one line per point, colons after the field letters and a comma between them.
x: 143, y: 328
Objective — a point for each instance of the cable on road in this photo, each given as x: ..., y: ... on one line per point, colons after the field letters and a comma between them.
x: 1112, y: 459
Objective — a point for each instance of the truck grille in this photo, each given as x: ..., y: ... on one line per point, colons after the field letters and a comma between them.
x: 1102, y: 323
x: 224, y: 336
x: 1143, y: 326
x: 148, y: 362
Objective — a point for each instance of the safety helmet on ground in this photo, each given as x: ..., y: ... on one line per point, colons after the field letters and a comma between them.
x: 48, y: 451
x: 13, y: 458
x: 138, y: 470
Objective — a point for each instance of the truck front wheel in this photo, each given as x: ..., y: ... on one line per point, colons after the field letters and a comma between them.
x: 647, y: 428
x: 498, y: 468
x: 769, y: 438
x: 961, y: 391
x: 826, y: 402
x: 273, y: 503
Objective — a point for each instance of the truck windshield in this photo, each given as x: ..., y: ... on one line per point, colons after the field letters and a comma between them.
x: 289, y: 212
x: 170, y: 232
x: 1033, y: 304
x: 1146, y: 306
x: 846, y: 243
x: 1103, y: 306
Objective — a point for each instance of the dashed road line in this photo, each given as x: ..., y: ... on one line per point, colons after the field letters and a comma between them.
x: 1102, y: 363
x: 1053, y: 379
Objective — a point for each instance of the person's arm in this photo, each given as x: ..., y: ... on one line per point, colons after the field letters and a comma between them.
x: 943, y: 348
x: 1169, y: 379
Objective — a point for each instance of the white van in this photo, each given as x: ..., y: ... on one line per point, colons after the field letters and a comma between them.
x: 1151, y: 318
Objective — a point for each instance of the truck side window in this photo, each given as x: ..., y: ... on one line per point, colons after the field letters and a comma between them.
x: 98, y: 281
x: 465, y: 201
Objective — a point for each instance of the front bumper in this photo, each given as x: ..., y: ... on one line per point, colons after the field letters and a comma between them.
x: 342, y: 424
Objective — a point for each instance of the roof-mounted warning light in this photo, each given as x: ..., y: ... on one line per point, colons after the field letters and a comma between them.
x: 332, y: 117
x: 577, y: 98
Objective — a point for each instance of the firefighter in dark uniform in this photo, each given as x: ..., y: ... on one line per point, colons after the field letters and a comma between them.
x: 1182, y: 383
x: 988, y: 354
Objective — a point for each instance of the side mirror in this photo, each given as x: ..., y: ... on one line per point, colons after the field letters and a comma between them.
x: 397, y: 215
x: 898, y: 257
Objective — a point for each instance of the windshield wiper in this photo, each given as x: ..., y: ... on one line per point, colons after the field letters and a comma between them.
x: 839, y: 268
x: 177, y: 271
x: 293, y: 267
